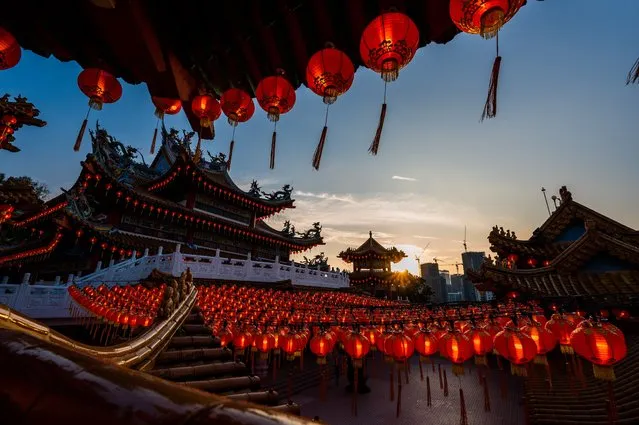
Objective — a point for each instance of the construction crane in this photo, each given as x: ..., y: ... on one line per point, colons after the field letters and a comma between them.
x: 437, y: 261
x: 417, y: 257
x: 465, y: 246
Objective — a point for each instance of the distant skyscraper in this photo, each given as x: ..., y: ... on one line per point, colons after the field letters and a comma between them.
x: 430, y: 274
x: 446, y: 275
x: 457, y: 283
x: 471, y: 261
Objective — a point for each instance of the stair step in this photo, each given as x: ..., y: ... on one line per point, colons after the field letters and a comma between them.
x: 269, y: 398
x: 225, y: 385
x: 196, y: 329
x: 194, y: 354
x: 193, y: 318
x: 194, y: 341
x: 290, y: 408
x: 201, y: 371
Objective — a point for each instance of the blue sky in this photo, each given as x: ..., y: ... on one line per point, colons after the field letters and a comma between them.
x: 565, y: 117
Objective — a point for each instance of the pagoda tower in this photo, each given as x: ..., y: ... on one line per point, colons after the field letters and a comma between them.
x: 372, y: 266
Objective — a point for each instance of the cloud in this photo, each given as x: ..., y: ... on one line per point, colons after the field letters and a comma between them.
x: 407, y: 179
x: 326, y: 196
x: 424, y: 237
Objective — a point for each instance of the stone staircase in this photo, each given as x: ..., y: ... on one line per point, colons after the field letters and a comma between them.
x: 194, y: 358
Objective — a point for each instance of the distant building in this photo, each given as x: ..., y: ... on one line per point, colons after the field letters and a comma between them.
x: 446, y: 275
x: 472, y: 261
x: 456, y: 283
x: 454, y: 297
x: 430, y: 274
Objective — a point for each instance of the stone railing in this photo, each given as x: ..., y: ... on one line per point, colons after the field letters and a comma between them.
x: 52, y: 301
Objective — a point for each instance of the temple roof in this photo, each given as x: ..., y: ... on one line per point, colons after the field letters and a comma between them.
x: 371, y: 248
x: 174, y: 48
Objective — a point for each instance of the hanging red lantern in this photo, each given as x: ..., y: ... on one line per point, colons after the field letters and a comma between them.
x: 545, y: 340
x: 238, y: 107
x: 482, y: 344
x: 458, y: 348
x: 516, y: 347
x: 10, y: 51
x: 320, y: 346
x: 357, y: 346
x: 207, y: 109
x: 388, y: 44
x: 561, y: 328
x: 485, y: 17
x: 426, y: 344
x: 242, y: 340
x: 163, y: 106
x: 600, y: 346
x: 329, y: 74
x: 276, y: 96
x: 100, y: 87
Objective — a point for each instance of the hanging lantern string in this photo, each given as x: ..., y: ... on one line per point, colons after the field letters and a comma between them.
x: 232, y: 145
x: 317, y: 157
x: 490, y: 107
x: 380, y: 126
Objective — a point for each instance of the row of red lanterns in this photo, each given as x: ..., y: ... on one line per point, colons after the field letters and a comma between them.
x: 44, y: 213
x: 387, y: 44
x: 33, y: 252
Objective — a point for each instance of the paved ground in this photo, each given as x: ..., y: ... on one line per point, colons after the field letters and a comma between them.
x: 376, y: 408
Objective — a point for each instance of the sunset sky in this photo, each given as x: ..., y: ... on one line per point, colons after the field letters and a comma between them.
x: 565, y: 117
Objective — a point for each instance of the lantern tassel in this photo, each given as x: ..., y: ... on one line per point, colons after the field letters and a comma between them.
x: 421, y: 372
x: 317, y: 157
x: 378, y: 134
x: 273, y: 142
x: 607, y: 373
x: 155, y: 136
x: 486, y: 395
x: 399, y: 392
x: 612, y: 405
x: 228, y: 163
x: 392, y: 383
x: 429, y: 401
x: 462, y: 407
x: 441, y: 383
x: 78, y: 140
x: 633, y: 74
x: 198, y: 150
x: 445, y: 384
x: 490, y: 107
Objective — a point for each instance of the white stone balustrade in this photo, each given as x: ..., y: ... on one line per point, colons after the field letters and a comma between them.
x: 51, y: 300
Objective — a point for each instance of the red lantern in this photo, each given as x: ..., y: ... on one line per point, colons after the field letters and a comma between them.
x: 485, y: 17
x: 242, y: 340
x: 403, y: 347
x: 265, y: 343
x: 206, y: 108
x: 425, y: 344
x: 517, y: 347
x: 238, y: 106
x: 329, y: 74
x: 100, y: 87
x: 561, y: 328
x: 276, y: 96
x: 544, y: 339
x: 10, y: 51
x: 458, y: 348
x: 357, y: 346
x: 163, y: 105
x: 482, y: 344
x: 320, y: 346
x: 601, y: 346
x: 388, y: 44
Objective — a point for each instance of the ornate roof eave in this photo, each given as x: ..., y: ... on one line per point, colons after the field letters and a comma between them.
x: 504, y: 244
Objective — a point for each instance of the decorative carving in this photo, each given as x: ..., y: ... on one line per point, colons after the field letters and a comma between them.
x: 280, y: 195
x: 288, y: 229
x: 174, y: 142
x: 215, y: 163
x: 314, y: 233
x: 565, y: 194
x: 319, y: 260
x: 78, y: 204
x: 255, y: 190
x: 24, y: 113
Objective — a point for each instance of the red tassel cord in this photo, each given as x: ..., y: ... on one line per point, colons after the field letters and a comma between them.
x: 380, y: 126
x: 463, y: 420
x: 155, y: 136
x: 273, y: 142
x: 399, y: 391
x: 445, y: 384
x: 612, y: 405
x: 633, y: 74
x: 429, y: 401
x: 441, y: 383
x: 421, y: 372
x: 486, y: 395
x: 78, y: 140
x: 490, y: 107
x: 317, y: 157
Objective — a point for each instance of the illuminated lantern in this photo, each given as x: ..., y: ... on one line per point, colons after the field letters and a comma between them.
x: 561, y: 328
x: 238, y: 107
x: 329, y: 74
x: 485, y: 17
x: 320, y: 346
x: 516, y: 347
x: 403, y: 347
x: 482, y: 343
x: 373, y: 336
x: 276, y: 96
x: 426, y: 344
x: 357, y: 346
x: 226, y: 337
x: 10, y: 51
x: 388, y: 44
x: 242, y: 340
x: 458, y: 348
x: 512, y: 258
x: 207, y: 109
x: 290, y: 345
x: 544, y: 339
x: 100, y: 87
x: 163, y: 106
x: 532, y: 262
x: 600, y: 346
